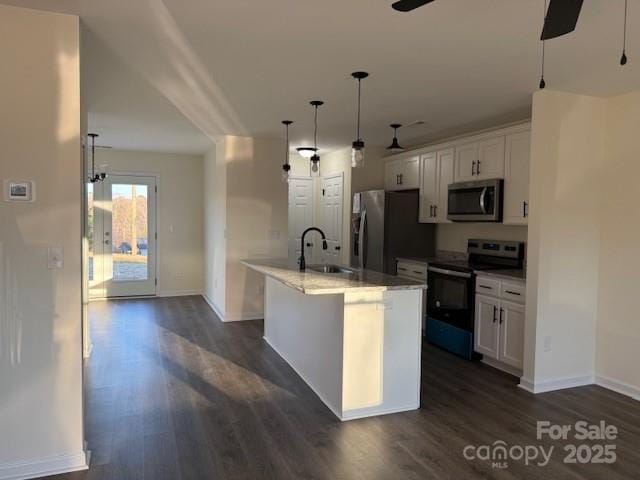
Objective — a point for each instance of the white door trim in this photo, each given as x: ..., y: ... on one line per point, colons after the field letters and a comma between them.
x: 340, y: 226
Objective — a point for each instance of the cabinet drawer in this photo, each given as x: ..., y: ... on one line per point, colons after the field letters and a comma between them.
x: 412, y: 270
x: 487, y: 286
x: 514, y: 292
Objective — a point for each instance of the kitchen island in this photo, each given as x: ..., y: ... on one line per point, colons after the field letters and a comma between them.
x: 354, y: 336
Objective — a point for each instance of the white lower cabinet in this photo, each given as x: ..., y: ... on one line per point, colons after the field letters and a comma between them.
x: 499, y: 324
x: 487, y: 334
x: 511, y: 334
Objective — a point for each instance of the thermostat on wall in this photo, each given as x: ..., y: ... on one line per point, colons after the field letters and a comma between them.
x: 19, y: 191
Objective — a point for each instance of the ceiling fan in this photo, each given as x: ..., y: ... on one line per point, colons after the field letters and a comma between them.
x: 561, y: 18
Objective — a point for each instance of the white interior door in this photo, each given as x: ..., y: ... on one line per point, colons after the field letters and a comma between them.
x: 123, y: 247
x: 332, y: 206
x: 300, y: 216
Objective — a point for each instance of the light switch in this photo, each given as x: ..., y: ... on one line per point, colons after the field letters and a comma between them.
x: 55, y: 258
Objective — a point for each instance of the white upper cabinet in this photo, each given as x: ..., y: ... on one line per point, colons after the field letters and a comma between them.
x: 516, y: 178
x: 445, y: 178
x: 436, y: 171
x: 465, y: 164
x: 428, y: 187
x: 480, y: 160
x: 402, y: 174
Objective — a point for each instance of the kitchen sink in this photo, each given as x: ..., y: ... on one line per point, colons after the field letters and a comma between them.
x: 330, y: 269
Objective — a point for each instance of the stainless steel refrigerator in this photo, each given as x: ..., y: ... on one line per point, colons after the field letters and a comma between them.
x: 384, y: 226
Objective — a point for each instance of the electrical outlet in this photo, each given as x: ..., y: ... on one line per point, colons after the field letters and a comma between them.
x: 547, y: 343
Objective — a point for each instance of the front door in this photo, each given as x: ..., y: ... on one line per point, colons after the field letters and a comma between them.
x: 123, y: 253
x: 332, y: 217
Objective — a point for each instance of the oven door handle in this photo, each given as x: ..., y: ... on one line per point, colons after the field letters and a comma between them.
x: 453, y: 273
x: 483, y: 196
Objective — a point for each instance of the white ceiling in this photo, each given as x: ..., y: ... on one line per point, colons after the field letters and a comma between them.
x: 169, y: 75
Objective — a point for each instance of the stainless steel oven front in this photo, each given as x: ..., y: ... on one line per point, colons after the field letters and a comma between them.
x: 476, y: 201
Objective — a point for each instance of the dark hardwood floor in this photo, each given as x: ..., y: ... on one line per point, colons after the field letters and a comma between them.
x: 173, y: 393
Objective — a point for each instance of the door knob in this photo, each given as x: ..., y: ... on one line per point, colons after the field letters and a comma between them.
x: 107, y: 242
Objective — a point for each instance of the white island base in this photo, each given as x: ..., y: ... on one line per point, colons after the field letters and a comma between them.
x: 359, y: 351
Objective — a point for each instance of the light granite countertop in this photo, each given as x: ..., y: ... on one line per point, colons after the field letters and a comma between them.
x: 518, y: 275
x: 315, y: 283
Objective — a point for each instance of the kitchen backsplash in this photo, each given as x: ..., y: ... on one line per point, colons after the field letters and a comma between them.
x: 452, y: 237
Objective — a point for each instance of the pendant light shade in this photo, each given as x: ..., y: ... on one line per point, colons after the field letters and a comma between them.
x: 306, y: 152
x: 395, y: 146
x: 544, y: 20
x: 623, y: 58
x: 315, y: 158
x: 357, y: 147
x: 286, y: 166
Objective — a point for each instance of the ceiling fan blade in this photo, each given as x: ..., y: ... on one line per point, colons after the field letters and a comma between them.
x: 408, y: 5
x: 561, y: 18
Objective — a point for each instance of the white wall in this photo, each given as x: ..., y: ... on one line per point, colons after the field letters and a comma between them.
x: 40, y: 309
x: 618, y: 325
x: 180, y: 213
x: 246, y: 217
x: 564, y: 240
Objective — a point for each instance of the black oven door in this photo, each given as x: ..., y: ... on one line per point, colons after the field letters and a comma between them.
x: 450, y: 297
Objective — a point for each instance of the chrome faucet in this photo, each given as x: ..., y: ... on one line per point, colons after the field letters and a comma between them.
x: 303, y: 264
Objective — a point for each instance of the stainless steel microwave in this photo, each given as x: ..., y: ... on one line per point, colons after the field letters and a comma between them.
x: 477, y: 201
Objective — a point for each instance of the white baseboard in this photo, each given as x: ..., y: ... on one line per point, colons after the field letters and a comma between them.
x: 366, y: 412
x: 231, y: 318
x: 245, y: 317
x: 555, y: 384
x: 179, y: 293
x: 44, y: 467
x: 618, y: 386
x: 501, y: 366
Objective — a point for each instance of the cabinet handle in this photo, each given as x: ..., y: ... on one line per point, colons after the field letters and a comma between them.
x: 337, y: 247
x: 495, y: 311
x: 512, y: 293
x: 401, y: 180
x: 501, y: 312
x: 402, y: 269
x: 418, y: 272
x: 473, y: 168
x: 397, y: 179
x: 525, y: 206
x: 430, y: 211
x: 478, y: 167
x: 485, y: 286
x: 435, y: 211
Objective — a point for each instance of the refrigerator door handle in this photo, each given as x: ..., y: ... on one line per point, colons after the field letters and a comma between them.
x: 363, y: 221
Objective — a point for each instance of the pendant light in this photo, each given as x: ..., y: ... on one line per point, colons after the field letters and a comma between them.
x: 286, y: 166
x: 542, y: 82
x: 95, y: 177
x: 395, y: 146
x: 315, y: 158
x: 357, y: 147
x: 623, y: 58
x: 306, y: 152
